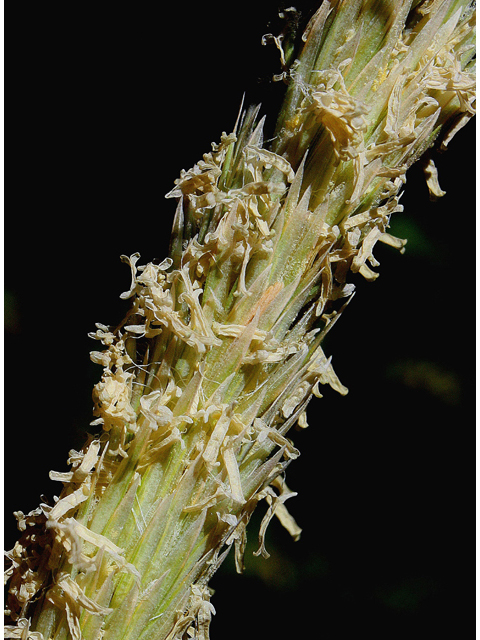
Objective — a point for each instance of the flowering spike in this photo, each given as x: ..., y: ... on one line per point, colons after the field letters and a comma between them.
x: 221, y: 350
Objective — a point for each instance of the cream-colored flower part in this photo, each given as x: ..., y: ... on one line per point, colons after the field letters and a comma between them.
x: 341, y: 114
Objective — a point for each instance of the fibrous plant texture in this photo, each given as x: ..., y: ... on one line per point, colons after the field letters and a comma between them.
x: 221, y: 350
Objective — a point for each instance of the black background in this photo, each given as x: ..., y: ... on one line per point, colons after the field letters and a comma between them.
x: 109, y: 104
